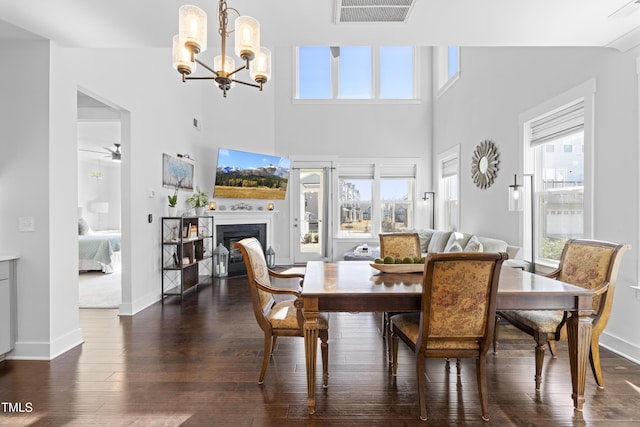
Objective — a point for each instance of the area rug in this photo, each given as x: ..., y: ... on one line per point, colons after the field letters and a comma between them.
x: 99, y: 290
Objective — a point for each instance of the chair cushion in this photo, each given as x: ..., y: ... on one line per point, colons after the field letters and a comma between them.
x: 409, y: 325
x: 544, y: 321
x: 284, y: 315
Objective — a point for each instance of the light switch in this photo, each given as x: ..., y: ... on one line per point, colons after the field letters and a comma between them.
x: 26, y: 223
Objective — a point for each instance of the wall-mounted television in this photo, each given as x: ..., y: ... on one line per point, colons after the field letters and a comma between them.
x: 243, y: 175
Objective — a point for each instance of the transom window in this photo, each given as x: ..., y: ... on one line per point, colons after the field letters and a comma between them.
x: 355, y: 72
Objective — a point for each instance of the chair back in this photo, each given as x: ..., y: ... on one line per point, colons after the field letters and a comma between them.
x: 399, y: 245
x: 459, y: 292
x: 592, y: 264
x: 257, y: 272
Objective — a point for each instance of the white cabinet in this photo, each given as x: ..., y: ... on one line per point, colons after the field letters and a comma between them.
x: 7, y: 306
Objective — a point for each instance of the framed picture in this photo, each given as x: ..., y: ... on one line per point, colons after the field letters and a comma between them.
x: 177, y: 173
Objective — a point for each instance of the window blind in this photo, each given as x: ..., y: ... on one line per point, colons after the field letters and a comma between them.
x: 364, y: 171
x: 450, y: 167
x: 565, y: 121
x: 398, y: 171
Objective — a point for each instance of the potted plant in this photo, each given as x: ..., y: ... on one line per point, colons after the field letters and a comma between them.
x: 199, y: 200
x: 173, y: 200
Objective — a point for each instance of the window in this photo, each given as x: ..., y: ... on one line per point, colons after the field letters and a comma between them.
x: 356, y: 72
x: 555, y: 139
x: 375, y: 197
x: 449, y: 189
x: 447, y: 62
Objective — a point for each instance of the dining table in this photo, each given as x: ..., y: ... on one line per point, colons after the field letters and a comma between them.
x: 355, y: 286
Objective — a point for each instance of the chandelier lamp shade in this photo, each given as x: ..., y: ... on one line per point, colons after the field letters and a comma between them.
x: 191, y: 41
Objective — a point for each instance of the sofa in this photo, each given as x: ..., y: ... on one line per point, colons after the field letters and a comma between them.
x: 455, y: 241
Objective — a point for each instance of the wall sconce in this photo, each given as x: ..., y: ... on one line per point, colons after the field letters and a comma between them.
x: 184, y: 156
x: 269, y: 206
x: 516, y: 204
x: 212, y: 206
x: 430, y: 195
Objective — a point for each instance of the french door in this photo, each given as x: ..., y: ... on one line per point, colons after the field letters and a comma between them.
x: 310, y: 223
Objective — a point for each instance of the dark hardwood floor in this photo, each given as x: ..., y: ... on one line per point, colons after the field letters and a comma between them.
x: 197, y: 363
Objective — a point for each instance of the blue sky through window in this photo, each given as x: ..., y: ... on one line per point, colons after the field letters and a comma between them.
x: 314, y: 72
x: 354, y: 66
x: 454, y: 65
x: 355, y: 72
x: 396, y: 72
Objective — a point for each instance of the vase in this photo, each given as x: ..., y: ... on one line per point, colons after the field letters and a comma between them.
x: 199, y: 210
x: 173, y: 211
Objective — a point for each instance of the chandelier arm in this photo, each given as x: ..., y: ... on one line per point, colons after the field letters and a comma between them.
x: 247, y: 84
x: 201, y: 78
x: 236, y: 70
x: 206, y: 66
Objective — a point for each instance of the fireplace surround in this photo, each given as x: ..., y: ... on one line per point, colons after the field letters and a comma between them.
x: 233, y: 226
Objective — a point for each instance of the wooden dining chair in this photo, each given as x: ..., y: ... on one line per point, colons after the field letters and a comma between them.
x: 396, y: 245
x: 456, y: 320
x: 590, y: 264
x: 282, y: 318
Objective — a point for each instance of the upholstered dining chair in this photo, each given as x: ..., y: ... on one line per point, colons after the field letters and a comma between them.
x: 590, y: 264
x: 396, y: 245
x: 459, y: 292
x: 277, y: 318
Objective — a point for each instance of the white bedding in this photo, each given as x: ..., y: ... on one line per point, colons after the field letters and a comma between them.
x: 99, y: 250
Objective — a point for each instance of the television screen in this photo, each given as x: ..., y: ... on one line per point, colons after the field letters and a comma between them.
x: 242, y: 175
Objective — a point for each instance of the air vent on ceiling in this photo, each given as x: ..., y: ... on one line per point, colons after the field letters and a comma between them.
x: 372, y: 10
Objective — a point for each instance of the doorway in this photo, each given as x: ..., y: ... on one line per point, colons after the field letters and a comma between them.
x: 99, y: 131
x: 311, y: 220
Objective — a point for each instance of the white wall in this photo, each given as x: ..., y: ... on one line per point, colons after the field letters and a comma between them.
x: 24, y: 185
x: 498, y: 84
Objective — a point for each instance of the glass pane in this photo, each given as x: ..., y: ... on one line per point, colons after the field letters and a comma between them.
x: 450, y: 214
x: 561, y: 195
x: 454, y: 61
x: 311, y: 195
x: 396, y: 207
x: 355, y: 72
x: 314, y: 72
x: 396, y: 72
x: 355, y: 207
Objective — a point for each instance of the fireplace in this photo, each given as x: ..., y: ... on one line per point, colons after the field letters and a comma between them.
x: 229, y: 234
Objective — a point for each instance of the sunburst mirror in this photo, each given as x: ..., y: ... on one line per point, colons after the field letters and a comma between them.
x: 484, y: 164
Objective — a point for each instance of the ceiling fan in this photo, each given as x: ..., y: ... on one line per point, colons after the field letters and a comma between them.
x: 114, y: 154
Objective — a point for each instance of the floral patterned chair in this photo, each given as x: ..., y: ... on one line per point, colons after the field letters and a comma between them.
x: 397, y: 245
x: 590, y: 264
x: 277, y: 318
x: 459, y: 292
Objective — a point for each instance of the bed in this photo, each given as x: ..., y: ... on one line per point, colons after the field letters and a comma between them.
x: 99, y: 250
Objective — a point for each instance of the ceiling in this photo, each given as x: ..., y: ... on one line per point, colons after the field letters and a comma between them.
x: 152, y: 23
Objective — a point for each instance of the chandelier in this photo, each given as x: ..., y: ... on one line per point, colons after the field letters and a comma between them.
x: 191, y: 40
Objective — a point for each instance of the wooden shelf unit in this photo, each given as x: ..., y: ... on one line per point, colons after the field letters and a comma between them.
x: 187, y: 250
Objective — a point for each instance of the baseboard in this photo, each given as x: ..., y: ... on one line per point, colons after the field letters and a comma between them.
x: 620, y: 347
x: 139, y: 305
x: 36, y: 350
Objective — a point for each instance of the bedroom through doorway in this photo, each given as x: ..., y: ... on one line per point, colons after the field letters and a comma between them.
x: 99, y: 204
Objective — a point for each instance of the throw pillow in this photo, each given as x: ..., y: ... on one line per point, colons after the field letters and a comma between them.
x: 455, y: 247
x: 438, y: 241
x: 473, y: 245
x: 83, y: 227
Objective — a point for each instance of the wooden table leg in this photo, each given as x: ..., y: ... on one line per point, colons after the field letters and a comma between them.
x: 311, y: 350
x: 579, y: 336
